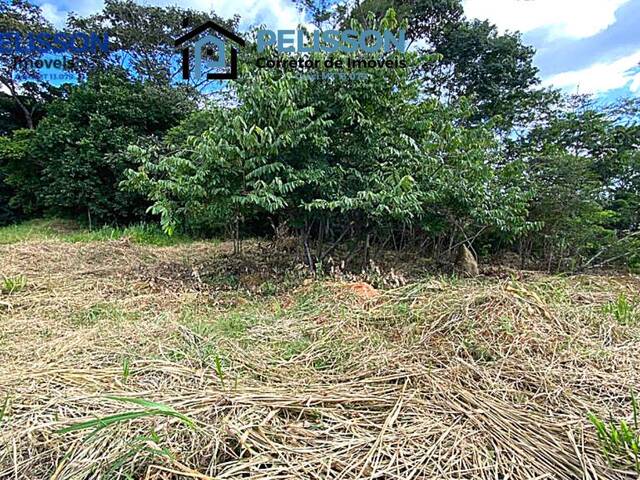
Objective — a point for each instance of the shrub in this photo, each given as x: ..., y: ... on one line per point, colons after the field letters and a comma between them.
x: 75, y: 161
x: 18, y: 178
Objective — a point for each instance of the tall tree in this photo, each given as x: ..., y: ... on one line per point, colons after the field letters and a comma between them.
x: 493, y: 69
x: 496, y: 70
x: 428, y: 20
x: 22, y: 17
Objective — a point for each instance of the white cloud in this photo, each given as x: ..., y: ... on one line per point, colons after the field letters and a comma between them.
x: 58, y: 15
x: 602, y: 77
x: 562, y: 18
x: 55, y: 15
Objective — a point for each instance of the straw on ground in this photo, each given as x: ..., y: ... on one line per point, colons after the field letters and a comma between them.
x: 120, y: 360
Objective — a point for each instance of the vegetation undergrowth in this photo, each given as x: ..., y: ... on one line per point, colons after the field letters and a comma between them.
x: 623, y: 310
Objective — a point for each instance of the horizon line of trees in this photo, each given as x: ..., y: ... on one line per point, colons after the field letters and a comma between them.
x: 462, y: 147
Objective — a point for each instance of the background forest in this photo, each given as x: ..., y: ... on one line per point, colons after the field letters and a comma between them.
x: 463, y: 147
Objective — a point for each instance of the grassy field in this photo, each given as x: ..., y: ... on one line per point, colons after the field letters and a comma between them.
x: 124, y: 355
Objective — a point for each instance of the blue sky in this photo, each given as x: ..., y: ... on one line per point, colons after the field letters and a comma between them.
x: 588, y: 46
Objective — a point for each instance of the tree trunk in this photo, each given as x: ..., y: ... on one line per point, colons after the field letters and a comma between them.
x: 28, y: 117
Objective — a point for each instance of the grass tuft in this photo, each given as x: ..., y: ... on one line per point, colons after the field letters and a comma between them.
x: 13, y: 284
x: 622, y: 310
x: 620, y: 442
x: 126, y: 369
x: 150, y: 409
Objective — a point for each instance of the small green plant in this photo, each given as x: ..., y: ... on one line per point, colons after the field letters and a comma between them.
x: 102, y: 312
x: 3, y: 410
x: 622, y: 310
x: 126, y: 369
x: 218, y: 366
x: 506, y: 325
x: 13, y: 284
x: 620, y: 442
x: 143, y: 445
x: 268, y: 289
x: 478, y: 351
x: 294, y: 348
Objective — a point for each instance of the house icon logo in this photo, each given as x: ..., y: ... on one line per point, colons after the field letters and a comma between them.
x: 204, y: 50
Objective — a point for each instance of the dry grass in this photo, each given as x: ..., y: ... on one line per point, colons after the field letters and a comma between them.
x: 440, y: 378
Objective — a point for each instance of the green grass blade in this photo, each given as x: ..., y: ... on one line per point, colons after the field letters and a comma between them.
x: 157, y: 408
x: 634, y: 405
x: 100, y: 423
x: 3, y: 410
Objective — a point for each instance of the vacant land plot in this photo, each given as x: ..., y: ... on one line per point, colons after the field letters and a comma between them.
x: 120, y: 360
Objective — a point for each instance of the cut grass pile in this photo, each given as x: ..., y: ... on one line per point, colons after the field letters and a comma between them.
x: 119, y: 360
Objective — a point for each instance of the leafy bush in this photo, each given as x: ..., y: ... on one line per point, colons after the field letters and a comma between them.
x: 75, y: 163
x: 17, y: 176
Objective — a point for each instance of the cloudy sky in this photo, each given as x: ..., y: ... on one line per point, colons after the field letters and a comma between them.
x: 589, y: 46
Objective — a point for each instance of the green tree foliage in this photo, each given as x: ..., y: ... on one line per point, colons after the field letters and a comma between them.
x: 427, y: 20
x: 14, y: 151
x: 33, y: 97
x: 74, y: 161
x: 584, y: 171
x: 494, y: 70
x: 324, y: 156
